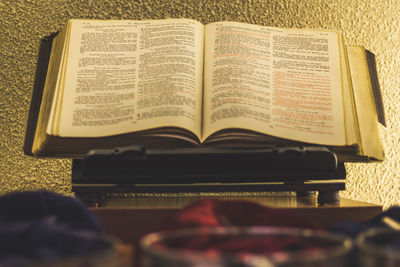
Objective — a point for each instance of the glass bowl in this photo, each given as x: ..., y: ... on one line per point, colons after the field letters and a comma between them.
x: 245, y: 246
x: 379, y: 247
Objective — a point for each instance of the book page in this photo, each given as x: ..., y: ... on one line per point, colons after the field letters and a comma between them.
x: 281, y: 82
x: 125, y: 76
x: 50, y: 92
x: 371, y: 144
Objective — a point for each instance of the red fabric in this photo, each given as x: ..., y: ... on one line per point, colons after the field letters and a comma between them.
x: 215, y: 212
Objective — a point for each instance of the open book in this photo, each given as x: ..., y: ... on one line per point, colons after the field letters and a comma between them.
x: 177, y: 82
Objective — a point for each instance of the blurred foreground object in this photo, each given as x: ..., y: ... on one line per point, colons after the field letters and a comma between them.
x: 245, y: 246
x: 379, y: 247
x: 46, y: 229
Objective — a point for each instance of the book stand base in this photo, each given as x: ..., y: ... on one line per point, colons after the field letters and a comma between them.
x: 135, y: 170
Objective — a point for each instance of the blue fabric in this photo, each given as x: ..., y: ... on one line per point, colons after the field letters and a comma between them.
x: 353, y: 229
x: 36, y: 205
x: 37, y: 226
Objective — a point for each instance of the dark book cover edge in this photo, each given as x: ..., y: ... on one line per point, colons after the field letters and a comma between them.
x: 375, y: 87
x: 37, y: 93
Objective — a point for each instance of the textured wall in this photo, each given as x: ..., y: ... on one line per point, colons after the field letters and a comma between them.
x: 374, y: 24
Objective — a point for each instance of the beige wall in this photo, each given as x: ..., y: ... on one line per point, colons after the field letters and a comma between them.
x: 374, y: 24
